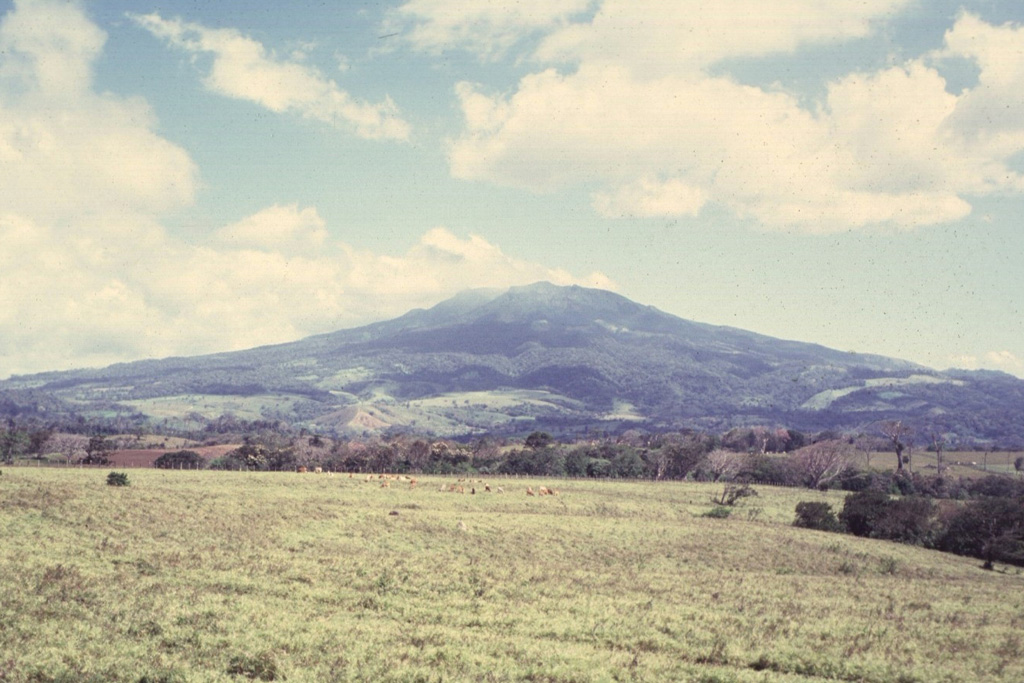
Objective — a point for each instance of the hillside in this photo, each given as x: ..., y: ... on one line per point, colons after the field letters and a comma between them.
x: 539, y: 356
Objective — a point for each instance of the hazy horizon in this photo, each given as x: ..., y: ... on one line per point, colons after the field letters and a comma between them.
x: 187, y: 179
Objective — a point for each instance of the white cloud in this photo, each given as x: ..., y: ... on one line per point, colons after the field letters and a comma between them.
x: 644, y: 124
x: 1004, y: 360
x: 654, y: 37
x: 485, y: 27
x: 647, y: 198
x: 55, y: 132
x: 242, y: 68
x: 281, y: 228
x: 89, y: 276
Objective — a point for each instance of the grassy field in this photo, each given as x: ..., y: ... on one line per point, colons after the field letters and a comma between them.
x: 221, y: 576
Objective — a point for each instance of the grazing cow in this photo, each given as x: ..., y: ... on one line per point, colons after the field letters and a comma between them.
x: 412, y: 483
x: 529, y: 491
x: 501, y: 490
x: 301, y: 470
x: 487, y: 487
x: 472, y: 491
x: 385, y: 484
x: 544, y: 491
x: 460, y: 489
x: 318, y: 470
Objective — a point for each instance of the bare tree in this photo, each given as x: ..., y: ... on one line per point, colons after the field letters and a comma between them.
x: 723, y: 465
x: 823, y: 462
x: 71, y: 447
x: 897, y: 433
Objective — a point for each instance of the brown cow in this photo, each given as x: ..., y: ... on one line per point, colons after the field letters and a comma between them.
x: 529, y: 491
x: 301, y: 470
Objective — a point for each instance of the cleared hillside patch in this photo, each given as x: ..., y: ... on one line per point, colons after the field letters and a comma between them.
x: 225, y: 576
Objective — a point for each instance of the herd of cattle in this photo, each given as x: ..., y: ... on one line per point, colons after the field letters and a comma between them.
x: 461, y: 486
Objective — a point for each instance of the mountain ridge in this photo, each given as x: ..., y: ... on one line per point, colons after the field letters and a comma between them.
x: 539, y: 356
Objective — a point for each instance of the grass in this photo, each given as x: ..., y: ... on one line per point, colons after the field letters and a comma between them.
x: 225, y: 576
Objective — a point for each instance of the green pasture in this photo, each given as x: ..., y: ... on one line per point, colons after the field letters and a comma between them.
x: 228, y: 576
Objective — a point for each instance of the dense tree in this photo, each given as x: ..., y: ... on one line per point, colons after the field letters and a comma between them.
x: 14, y: 441
x: 180, y: 460
x: 97, y: 451
x: 538, y: 440
x: 991, y: 529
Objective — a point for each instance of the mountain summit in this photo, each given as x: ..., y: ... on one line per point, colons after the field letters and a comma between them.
x: 540, y: 357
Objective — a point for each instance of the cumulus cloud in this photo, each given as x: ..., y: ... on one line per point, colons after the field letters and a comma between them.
x: 90, y: 276
x: 645, y: 115
x: 243, y: 68
x: 55, y: 132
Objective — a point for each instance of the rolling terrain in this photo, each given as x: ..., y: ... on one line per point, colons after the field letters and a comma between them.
x: 541, y: 356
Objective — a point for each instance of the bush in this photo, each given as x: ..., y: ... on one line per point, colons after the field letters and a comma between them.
x: 732, y: 494
x: 994, y: 486
x: 907, y: 520
x: 117, y: 479
x: 718, y: 512
x: 812, y: 515
x: 991, y: 529
x: 874, y: 514
x: 765, y: 469
x: 861, y: 510
x: 180, y: 460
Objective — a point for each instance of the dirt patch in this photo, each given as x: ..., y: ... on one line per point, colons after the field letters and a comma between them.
x: 144, y: 457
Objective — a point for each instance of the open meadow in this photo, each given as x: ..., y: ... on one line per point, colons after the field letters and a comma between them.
x: 221, y: 576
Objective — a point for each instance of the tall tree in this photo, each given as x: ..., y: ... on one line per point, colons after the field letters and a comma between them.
x: 897, y: 433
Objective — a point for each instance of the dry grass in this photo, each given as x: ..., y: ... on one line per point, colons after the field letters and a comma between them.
x: 216, y: 576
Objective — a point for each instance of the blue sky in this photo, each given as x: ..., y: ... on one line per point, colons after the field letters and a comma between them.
x: 188, y: 177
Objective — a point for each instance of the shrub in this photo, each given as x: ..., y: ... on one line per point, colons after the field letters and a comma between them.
x: 732, y: 494
x: 907, y: 520
x: 994, y: 486
x: 813, y: 515
x: 874, y: 514
x: 991, y: 529
x: 766, y: 469
x: 718, y: 512
x: 117, y: 479
x: 180, y: 460
x: 861, y: 511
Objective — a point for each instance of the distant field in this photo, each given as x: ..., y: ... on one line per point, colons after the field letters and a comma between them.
x: 958, y: 463
x: 220, y: 576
